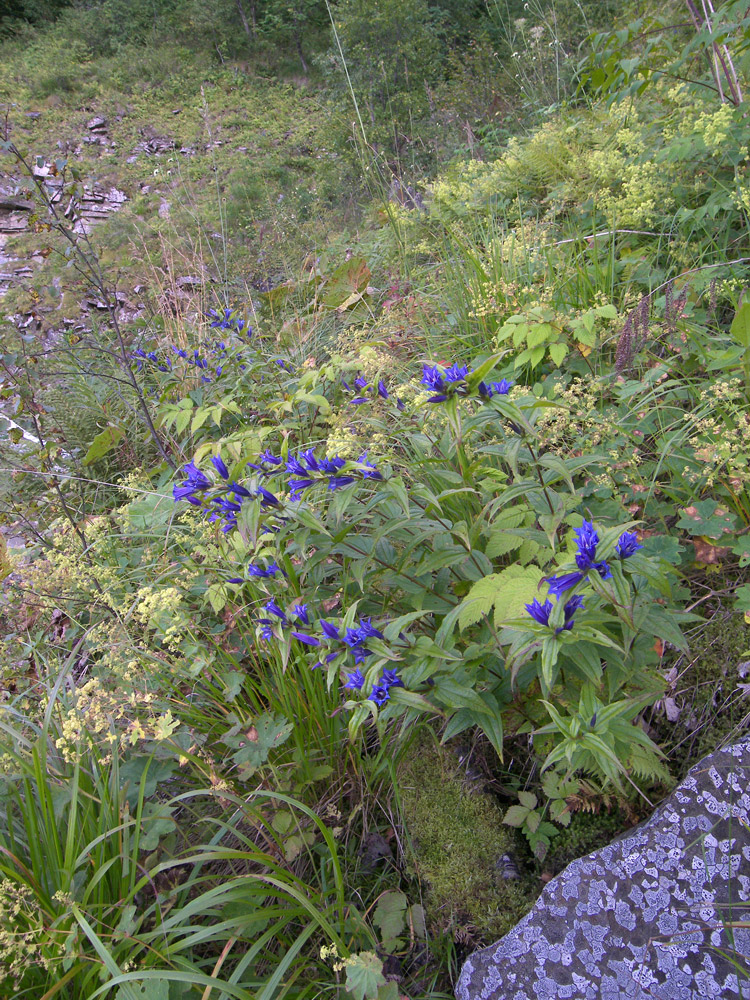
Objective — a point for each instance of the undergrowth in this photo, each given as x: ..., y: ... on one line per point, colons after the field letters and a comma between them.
x: 337, y: 449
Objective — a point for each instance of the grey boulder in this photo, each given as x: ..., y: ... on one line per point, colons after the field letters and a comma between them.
x: 657, y: 915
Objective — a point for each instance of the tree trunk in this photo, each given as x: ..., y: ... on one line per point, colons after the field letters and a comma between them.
x: 300, y: 53
x: 249, y: 31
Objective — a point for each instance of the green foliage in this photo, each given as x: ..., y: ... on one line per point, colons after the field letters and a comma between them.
x: 202, y: 774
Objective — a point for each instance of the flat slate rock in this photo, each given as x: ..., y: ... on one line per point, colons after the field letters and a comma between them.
x: 647, y: 917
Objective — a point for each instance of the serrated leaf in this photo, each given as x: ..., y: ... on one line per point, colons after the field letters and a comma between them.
x: 364, y: 975
x: 527, y: 799
x: 390, y: 914
x: 255, y: 744
x: 501, y: 543
x: 415, y: 916
x: 516, y: 816
x: 350, y: 278
x: 518, y: 587
x: 558, y: 353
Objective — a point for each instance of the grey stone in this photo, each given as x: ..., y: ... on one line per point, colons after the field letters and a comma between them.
x: 656, y: 915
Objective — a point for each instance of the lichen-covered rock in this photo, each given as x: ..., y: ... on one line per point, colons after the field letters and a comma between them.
x: 657, y: 915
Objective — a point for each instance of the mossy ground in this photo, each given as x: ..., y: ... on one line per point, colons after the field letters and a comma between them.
x: 457, y: 838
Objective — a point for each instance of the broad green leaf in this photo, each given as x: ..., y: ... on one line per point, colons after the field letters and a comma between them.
x: 390, y: 914
x: 740, y: 328
x: 558, y: 353
x: 364, y: 975
x: 256, y: 742
x: 518, y: 586
x: 103, y: 443
x: 516, y: 816
x: 348, y: 279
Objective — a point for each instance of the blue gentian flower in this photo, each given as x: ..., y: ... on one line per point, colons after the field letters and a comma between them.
x: 220, y: 467
x: 259, y: 572
x: 195, y: 482
x: 273, y: 608
x: 382, y: 391
x: 328, y: 629
x: 372, y: 472
x: 456, y: 373
x: 432, y: 377
x: 294, y: 465
x: 353, y: 637
x: 379, y: 694
x: 360, y: 382
x: 501, y: 388
x: 367, y: 630
x: 310, y: 461
x: 268, y: 456
x: 300, y: 611
x: 267, y: 499
x: 359, y: 401
x: 332, y: 465
x: 628, y: 545
x: 541, y: 612
x: 309, y: 640
x: 587, y: 540
x: 298, y: 485
x: 354, y: 681
x: 559, y: 584
x: 391, y: 679
x: 337, y: 482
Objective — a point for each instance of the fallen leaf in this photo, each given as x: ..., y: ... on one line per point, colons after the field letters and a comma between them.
x: 707, y: 554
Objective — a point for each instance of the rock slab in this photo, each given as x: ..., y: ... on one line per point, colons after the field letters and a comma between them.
x: 656, y: 915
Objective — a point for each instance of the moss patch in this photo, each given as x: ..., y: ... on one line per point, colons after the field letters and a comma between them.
x: 458, y: 839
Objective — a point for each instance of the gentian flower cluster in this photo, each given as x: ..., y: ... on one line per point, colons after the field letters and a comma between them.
x: 227, y: 321
x: 337, y: 640
x: 488, y: 390
x: 364, y: 391
x: 307, y: 470
x: 627, y: 545
x: 587, y: 540
x: 211, y: 362
x: 541, y: 612
x: 443, y: 381
x: 226, y: 499
x: 446, y: 382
